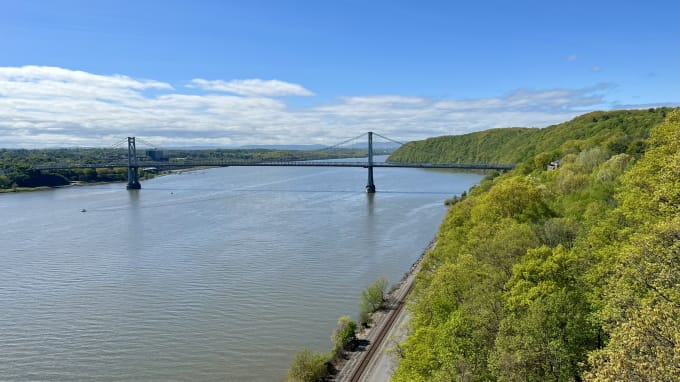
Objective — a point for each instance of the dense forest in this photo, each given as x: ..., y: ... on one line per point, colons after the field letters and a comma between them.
x: 618, y: 132
x: 17, y: 172
x: 566, y: 274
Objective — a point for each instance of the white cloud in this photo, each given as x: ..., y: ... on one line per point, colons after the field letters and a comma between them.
x: 418, y: 117
x: 252, y: 87
x: 37, y: 74
x: 46, y: 106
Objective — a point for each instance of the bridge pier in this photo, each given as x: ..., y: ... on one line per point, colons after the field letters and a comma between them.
x: 133, y: 167
x: 370, y: 186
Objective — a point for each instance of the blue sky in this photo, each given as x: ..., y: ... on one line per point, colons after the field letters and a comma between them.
x: 273, y: 72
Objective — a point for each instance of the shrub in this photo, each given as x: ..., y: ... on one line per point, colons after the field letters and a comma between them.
x: 307, y: 366
x: 372, y: 299
x: 343, y: 335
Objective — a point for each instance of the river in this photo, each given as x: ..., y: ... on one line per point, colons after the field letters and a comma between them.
x: 211, y: 275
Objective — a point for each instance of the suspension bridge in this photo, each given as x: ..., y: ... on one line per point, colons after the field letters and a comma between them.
x: 133, y: 163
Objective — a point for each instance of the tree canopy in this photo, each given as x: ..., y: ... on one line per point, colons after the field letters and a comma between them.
x: 622, y: 131
x: 566, y: 274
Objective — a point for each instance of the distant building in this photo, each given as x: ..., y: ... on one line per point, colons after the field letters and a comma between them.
x: 156, y: 155
x: 554, y: 165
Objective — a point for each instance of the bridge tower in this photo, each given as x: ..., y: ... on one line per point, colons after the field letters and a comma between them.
x: 133, y: 167
x: 370, y: 186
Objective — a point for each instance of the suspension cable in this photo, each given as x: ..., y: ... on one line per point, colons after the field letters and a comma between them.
x: 389, y: 139
x: 343, y: 142
x: 119, y: 144
x: 146, y: 143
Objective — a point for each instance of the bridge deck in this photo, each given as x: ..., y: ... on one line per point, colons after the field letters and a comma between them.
x: 479, y: 166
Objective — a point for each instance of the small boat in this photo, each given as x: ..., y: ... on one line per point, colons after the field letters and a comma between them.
x: 83, y: 210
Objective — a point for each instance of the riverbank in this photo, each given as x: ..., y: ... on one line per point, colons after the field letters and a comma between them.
x: 23, y: 189
x: 80, y: 183
x: 383, y: 362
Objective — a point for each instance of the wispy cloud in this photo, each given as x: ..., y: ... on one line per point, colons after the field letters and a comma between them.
x: 48, y: 76
x: 417, y: 117
x: 252, y: 87
x: 47, y: 106
x: 571, y: 57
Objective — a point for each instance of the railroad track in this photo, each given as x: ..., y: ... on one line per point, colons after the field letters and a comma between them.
x: 365, y: 361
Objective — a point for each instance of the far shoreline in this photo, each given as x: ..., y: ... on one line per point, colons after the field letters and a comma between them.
x: 80, y: 183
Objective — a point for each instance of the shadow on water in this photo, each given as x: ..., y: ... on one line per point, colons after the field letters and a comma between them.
x: 370, y: 199
x: 133, y: 197
x: 135, y: 224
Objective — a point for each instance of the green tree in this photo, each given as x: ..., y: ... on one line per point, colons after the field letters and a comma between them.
x: 344, y: 335
x: 90, y: 175
x: 643, y: 310
x: 517, y: 197
x: 451, y: 351
x: 640, y: 262
x: 307, y: 366
x: 372, y: 299
x: 559, y: 231
x: 644, y: 348
x: 546, y: 333
x: 455, y: 320
x: 5, y: 182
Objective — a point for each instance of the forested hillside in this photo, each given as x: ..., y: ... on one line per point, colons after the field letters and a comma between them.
x: 621, y: 131
x: 563, y: 275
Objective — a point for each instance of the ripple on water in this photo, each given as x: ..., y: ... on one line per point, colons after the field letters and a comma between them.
x: 207, y: 276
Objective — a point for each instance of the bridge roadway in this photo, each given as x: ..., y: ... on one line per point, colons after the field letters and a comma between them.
x: 311, y: 163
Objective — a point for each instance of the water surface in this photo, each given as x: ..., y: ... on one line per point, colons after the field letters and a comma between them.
x: 211, y: 275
